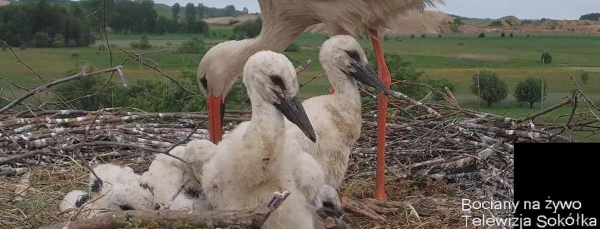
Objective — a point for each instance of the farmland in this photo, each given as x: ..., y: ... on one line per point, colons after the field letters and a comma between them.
x: 455, y: 57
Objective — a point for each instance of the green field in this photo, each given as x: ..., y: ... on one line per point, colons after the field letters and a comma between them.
x: 455, y: 57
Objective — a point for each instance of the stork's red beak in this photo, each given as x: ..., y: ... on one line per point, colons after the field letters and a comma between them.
x: 215, y: 118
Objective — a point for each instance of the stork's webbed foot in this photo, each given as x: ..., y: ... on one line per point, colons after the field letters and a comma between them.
x: 370, y: 207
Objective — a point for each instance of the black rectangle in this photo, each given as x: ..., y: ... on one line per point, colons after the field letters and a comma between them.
x: 556, y: 181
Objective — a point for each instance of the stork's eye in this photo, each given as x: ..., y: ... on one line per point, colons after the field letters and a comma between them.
x: 354, y: 55
x: 278, y: 81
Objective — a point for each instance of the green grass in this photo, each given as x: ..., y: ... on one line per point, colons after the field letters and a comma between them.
x: 513, y: 58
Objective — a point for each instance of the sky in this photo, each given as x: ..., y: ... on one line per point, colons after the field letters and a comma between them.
x: 523, y: 9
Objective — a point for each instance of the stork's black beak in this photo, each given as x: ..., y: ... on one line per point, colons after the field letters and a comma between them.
x: 366, y: 75
x: 293, y: 110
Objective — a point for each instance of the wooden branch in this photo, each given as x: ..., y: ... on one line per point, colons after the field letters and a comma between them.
x: 303, y: 66
x: 7, y: 160
x: 59, y: 96
x: 547, y: 110
x: 253, y: 218
x: 44, y: 87
x: 400, y: 95
x: 423, y: 100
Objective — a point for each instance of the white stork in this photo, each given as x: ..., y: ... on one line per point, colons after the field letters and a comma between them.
x: 337, y: 117
x: 283, y: 21
x: 255, y: 159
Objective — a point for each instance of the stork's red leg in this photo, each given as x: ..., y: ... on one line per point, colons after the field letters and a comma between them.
x: 214, y: 118
x: 382, y: 103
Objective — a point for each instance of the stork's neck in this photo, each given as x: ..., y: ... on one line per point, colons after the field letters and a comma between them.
x: 344, y: 86
x: 275, y: 36
x: 267, y: 128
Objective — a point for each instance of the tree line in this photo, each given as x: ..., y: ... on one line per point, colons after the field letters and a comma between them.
x: 591, y: 16
x: 40, y: 24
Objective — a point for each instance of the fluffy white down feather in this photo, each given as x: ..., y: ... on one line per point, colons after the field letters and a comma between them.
x: 165, y: 177
x: 120, y: 189
x: 70, y: 200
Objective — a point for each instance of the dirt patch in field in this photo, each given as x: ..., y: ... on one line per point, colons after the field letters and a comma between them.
x: 482, y: 57
x: 231, y: 20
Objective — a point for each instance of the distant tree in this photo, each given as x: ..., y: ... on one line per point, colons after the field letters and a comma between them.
x: 591, y: 17
x: 201, y: 10
x: 496, y: 24
x: 162, y: 25
x: 530, y: 90
x: 423, y: 36
x: 175, y: 10
x: 482, y: 35
x: 59, y: 41
x: 248, y: 29
x: 511, y: 35
x: 439, y: 35
x: 201, y: 27
x: 245, y: 10
x: 457, y: 21
x: 584, y: 76
x: 546, y: 58
x: 190, y: 11
x: 40, y: 40
x: 190, y: 17
x: 527, y: 35
x: 503, y: 34
x: 230, y: 9
x: 412, y: 36
x: 492, y: 88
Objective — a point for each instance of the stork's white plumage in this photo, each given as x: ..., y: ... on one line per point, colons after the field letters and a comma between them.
x: 283, y: 21
x: 119, y: 189
x: 337, y: 117
x: 253, y: 161
x: 73, y: 199
x: 165, y: 179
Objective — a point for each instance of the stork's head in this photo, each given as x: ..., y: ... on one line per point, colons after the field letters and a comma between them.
x: 219, y: 69
x: 344, y: 53
x: 271, y: 78
x: 221, y: 66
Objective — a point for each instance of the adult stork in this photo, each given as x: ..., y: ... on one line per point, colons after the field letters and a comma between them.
x: 283, y: 21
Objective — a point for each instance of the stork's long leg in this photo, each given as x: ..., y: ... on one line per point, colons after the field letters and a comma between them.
x: 382, y: 103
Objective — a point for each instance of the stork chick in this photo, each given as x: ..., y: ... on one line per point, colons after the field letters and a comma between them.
x: 120, y: 189
x: 74, y: 199
x: 252, y: 162
x: 337, y: 117
x: 117, y: 189
x: 173, y: 183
